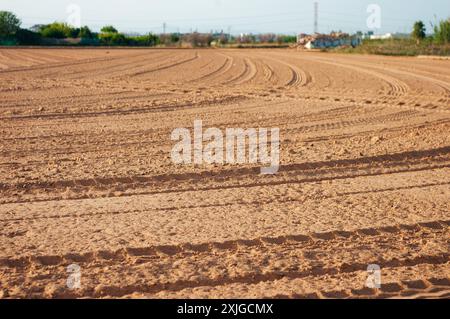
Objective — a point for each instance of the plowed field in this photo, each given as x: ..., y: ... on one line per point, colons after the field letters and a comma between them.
x: 86, y: 175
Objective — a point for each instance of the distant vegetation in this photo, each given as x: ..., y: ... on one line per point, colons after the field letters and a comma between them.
x: 58, y: 30
x: 109, y: 29
x: 442, y: 32
x: 400, y: 47
x: 9, y: 24
x: 59, y: 33
x: 419, y: 31
x: 419, y: 43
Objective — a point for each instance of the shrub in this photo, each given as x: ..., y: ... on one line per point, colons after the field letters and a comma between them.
x: 113, y: 39
x: 85, y: 33
x: 109, y: 29
x: 120, y: 39
x: 175, y: 37
x: 144, y: 40
x: 90, y: 41
x: 74, y: 32
x: 27, y: 37
x: 407, y: 47
x: 286, y: 39
x: 57, y: 30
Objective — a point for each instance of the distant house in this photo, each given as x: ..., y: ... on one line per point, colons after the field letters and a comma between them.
x: 323, y: 41
x: 389, y: 36
x: 381, y: 36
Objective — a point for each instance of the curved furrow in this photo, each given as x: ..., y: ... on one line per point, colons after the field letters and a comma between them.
x: 223, y: 68
x: 298, y: 76
x: 165, y: 66
x: 442, y: 84
x: 250, y: 74
x: 119, y: 69
x: 242, y: 74
x: 398, y: 88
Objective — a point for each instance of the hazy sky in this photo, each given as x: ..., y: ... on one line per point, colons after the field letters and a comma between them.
x: 279, y: 16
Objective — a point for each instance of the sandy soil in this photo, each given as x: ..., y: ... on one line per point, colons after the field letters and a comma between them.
x: 86, y: 175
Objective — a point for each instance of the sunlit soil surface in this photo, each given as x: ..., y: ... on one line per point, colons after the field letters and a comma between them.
x: 86, y: 175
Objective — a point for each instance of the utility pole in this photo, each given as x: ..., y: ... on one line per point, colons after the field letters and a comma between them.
x: 164, y: 28
x: 316, y: 17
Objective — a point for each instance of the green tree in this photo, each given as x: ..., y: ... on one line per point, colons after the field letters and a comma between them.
x: 113, y: 39
x: 9, y: 24
x: 419, y: 31
x: 74, y: 32
x: 57, y: 30
x: 144, y: 40
x: 174, y: 37
x: 109, y: 29
x: 119, y: 39
x: 85, y: 33
x: 286, y: 39
x: 442, y: 32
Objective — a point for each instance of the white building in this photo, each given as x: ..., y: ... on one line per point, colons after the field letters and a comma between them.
x: 381, y: 36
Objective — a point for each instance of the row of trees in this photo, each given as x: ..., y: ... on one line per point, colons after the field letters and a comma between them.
x: 266, y: 38
x: 10, y: 31
x: 441, y: 32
